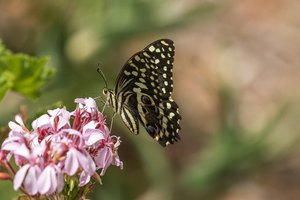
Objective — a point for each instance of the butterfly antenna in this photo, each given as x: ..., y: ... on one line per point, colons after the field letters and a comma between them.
x: 102, y: 75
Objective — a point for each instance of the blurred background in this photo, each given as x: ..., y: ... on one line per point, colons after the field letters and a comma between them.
x: 236, y: 81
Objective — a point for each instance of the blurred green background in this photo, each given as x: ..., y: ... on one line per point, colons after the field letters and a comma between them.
x: 236, y: 81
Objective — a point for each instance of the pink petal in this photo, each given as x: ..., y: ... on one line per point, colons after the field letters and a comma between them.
x: 82, y: 159
x: 79, y: 100
x: 117, y: 162
x: 19, y: 120
x: 22, y: 151
x: 91, y: 125
x: 10, y: 146
x: 47, y: 181
x: 65, y: 114
x: 30, y: 183
x: 40, y: 122
x: 54, y: 112
x: 92, y: 135
x: 71, y: 163
x: 13, y: 138
x: 86, y: 163
x: 60, y: 179
x: 72, y: 132
x: 105, y: 131
x: 84, y: 178
x: 19, y: 177
x: 53, y: 180
x: 62, y: 122
x: 90, y: 102
x: 14, y: 126
x: 104, y: 159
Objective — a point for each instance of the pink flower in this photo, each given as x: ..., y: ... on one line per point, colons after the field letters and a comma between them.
x: 107, y: 156
x: 62, y: 143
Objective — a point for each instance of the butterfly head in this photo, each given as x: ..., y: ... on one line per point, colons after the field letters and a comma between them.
x: 109, y: 94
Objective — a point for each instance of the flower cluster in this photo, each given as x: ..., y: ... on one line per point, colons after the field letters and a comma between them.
x: 62, y: 143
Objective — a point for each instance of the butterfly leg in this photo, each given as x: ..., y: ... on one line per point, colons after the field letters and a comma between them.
x: 112, y: 120
x: 104, y: 106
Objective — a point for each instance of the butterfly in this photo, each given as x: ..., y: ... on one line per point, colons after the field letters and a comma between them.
x: 142, y: 93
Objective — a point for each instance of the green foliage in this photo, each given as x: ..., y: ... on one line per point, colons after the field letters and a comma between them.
x: 22, y: 73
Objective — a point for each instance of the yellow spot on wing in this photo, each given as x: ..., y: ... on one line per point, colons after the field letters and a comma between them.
x: 151, y: 48
x: 147, y: 55
x: 141, y: 85
x: 168, y: 105
x: 137, y: 58
x: 134, y: 73
x: 126, y: 73
x: 164, y: 43
x: 171, y: 115
x: 142, y: 80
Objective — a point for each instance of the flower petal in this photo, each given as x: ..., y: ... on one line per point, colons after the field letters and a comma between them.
x: 14, y: 126
x: 60, y: 179
x: 19, y: 120
x: 86, y: 163
x: 104, y: 159
x: 41, y: 122
x: 47, y: 181
x: 84, y: 178
x: 90, y: 134
x: 22, y: 151
x: 30, y: 182
x: 19, y: 177
x: 71, y: 163
x: 89, y: 102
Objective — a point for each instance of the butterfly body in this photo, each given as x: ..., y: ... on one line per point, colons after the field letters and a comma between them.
x: 142, y: 93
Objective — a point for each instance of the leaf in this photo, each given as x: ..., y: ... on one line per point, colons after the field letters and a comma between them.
x: 6, y: 82
x: 22, y: 73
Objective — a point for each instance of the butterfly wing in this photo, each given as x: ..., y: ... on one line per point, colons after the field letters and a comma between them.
x: 143, y: 90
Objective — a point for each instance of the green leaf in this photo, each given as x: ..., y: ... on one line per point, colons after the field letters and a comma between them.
x: 6, y: 82
x: 22, y: 73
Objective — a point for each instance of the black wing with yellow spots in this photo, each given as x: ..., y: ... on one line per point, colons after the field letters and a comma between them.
x: 143, y: 92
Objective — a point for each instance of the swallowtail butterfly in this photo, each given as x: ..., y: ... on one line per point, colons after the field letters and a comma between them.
x: 142, y: 93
